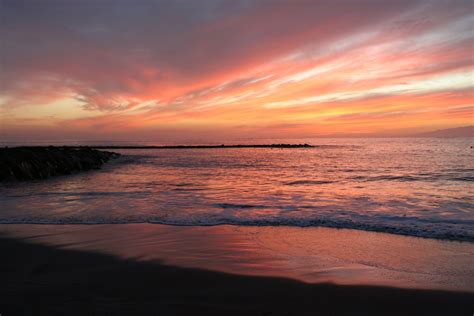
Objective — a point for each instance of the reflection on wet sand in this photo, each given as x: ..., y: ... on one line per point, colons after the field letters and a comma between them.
x: 309, y: 254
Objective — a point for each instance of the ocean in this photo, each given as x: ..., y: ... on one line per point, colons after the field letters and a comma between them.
x: 411, y: 186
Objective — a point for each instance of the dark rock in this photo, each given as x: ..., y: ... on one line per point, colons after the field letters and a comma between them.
x: 29, y: 163
x: 205, y: 146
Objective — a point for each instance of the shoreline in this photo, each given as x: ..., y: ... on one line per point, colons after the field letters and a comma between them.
x: 310, y: 254
x: 78, y: 277
x: 395, y: 232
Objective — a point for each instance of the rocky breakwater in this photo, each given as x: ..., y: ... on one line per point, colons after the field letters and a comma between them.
x: 29, y: 163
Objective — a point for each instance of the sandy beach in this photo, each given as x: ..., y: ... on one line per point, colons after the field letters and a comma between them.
x: 224, y: 157
x: 160, y: 269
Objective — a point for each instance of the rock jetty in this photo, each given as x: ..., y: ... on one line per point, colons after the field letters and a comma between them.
x: 30, y: 163
x: 223, y: 146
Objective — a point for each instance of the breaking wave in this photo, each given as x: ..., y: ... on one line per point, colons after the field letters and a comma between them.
x: 456, y: 230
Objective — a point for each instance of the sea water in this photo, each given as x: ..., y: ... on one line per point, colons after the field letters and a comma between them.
x: 412, y: 186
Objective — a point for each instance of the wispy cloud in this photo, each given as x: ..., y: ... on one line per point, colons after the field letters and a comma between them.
x: 184, y: 65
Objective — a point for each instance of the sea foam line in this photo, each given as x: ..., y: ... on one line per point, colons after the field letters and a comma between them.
x: 439, y: 233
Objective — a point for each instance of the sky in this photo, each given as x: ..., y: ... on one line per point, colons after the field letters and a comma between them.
x: 211, y: 69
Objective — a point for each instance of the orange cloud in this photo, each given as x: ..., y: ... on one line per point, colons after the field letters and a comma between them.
x: 292, y: 68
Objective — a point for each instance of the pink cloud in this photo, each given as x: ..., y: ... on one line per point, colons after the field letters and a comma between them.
x: 149, y: 64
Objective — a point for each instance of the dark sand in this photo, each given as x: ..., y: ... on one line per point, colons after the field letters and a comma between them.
x: 42, y: 279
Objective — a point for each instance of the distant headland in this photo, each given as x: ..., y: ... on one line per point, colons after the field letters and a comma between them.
x: 465, y: 131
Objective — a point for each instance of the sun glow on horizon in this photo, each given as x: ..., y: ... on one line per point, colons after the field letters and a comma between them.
x: 263, y: 68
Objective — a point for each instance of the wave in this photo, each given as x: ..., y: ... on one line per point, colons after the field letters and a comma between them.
x: 81, y: 194
x: 468, y: 179
x: 238, y: 206
x: 410, y: 178
x: 309, y: 182
x: 409, y: 226
x: 396, y: 178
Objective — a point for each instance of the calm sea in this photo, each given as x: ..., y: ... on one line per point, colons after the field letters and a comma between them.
x: 420, y: 187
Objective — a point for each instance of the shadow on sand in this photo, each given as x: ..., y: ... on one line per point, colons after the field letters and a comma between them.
x: 43, y: 280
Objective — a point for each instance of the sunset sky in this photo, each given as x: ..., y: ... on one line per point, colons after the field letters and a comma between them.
x: 179, y: 70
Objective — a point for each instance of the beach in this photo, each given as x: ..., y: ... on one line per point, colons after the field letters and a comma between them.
x: 160, y: 269
x: 223, y: 157
x: 246, y: 231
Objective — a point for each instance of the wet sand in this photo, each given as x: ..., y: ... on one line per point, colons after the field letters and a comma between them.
x: 146, y: 268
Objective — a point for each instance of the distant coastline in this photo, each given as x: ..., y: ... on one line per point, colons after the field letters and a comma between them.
x: 465, y: 131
